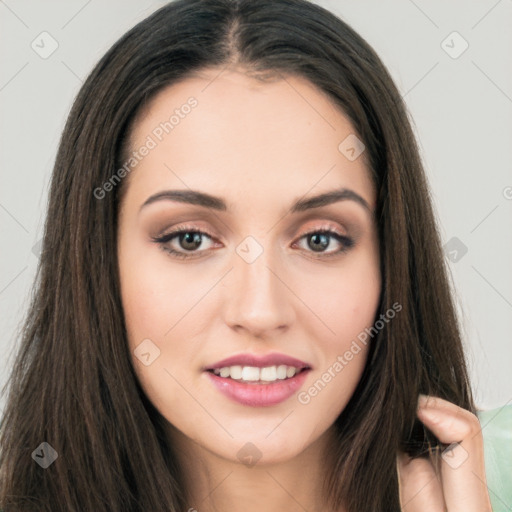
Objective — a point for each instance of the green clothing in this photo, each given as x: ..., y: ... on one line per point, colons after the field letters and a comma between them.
x: 497, y: 432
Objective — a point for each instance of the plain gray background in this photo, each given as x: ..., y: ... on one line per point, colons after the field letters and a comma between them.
x: 460, y: 100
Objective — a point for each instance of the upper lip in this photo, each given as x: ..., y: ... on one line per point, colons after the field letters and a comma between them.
x: 262, y: 361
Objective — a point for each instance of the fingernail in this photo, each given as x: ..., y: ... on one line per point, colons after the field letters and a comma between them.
x: 422, y: 400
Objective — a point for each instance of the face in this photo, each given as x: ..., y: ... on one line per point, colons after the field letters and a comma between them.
x: 244, y: 272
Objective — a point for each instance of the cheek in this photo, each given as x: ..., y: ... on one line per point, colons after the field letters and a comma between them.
x: 343, y: 344
x: 157, y: 305
x: 344, y: 300
x: 345, y: 305
x: 154, y: 298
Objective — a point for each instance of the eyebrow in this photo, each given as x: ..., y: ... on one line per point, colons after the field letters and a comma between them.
x: 195, y: 197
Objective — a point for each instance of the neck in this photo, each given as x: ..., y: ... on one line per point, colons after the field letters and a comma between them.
x: 215, y: 484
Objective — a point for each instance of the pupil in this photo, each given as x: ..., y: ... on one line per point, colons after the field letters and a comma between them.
x: 321, y: 239
x: 190, y: 238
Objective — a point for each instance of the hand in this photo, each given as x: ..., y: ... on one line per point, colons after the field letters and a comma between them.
x: 461, y: 485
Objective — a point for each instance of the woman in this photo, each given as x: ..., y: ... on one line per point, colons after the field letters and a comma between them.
x: 241, y: 277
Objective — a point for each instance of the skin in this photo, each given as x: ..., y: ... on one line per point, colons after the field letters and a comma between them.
x: 260, y: 147
x: 460, y: 484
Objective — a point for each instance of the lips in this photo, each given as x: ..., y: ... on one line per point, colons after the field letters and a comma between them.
x: 273, y: 359
x: 258, y: 393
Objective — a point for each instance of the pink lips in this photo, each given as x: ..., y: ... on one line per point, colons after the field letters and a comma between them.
x: 254, y: 394
x: 258, y: 395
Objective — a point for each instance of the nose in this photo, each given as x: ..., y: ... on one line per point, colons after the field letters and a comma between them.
x: 259, y: 300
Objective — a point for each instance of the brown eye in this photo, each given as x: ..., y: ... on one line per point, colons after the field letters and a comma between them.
x: 190, y: 240
x: 183, y: 243
x: 318, y: 241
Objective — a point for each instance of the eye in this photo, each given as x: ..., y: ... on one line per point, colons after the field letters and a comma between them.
x: 320, y: 239
x: 187, y: 241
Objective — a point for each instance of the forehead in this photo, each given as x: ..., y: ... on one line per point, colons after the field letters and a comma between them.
x: 242, y: 134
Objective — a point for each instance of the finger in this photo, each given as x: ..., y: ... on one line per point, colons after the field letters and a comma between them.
x: 420, y: 488
x: 462, y: 467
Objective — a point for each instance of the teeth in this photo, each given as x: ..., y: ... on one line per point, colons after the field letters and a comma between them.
x: 235, y: 372
x: 254, y: 374
x: 290, y: 371
x: 281, y: 372
x: 250, y: 373
x: 269, y: 373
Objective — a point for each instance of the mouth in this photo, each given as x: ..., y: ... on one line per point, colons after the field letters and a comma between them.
x: 261, y: 388
x: 254, y: 375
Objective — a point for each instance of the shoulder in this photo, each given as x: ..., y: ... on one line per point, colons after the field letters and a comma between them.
x: 496, y: 427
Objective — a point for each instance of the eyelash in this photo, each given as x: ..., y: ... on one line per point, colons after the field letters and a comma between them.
x: 163, y: 240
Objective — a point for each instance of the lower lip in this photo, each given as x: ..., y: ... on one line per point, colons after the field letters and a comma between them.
x: 259, y: 395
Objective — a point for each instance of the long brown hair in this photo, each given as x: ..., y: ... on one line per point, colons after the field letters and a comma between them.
x: 73, y: 384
